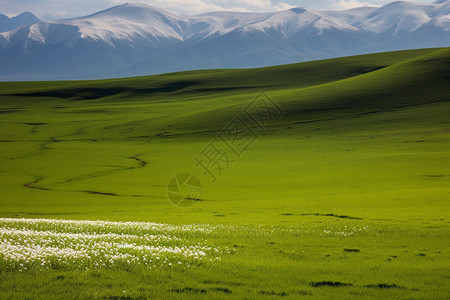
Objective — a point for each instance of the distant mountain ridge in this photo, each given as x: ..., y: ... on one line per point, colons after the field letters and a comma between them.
x: 137, y: 39
x: 7, y: 24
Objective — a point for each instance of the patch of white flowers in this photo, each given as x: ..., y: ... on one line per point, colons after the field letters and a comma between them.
x: 345, y: 231
x: 45, y: 243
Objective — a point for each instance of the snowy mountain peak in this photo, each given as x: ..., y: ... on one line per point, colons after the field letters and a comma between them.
x: 295, y: 21
x: 397, y: 17
x: 128, y: 22
x: 132, y: 11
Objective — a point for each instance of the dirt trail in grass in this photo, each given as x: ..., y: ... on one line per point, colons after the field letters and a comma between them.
x: 45, y: 146
x: 32, y: 184
x: 141, y: 162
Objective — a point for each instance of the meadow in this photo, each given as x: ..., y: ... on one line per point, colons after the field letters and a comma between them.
x: 342, y: 193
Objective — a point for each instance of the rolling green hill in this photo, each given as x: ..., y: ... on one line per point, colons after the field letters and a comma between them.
x: 356, y: 141
x: 380, y: 110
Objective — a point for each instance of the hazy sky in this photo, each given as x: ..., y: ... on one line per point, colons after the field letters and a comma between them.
x: 71, y: 8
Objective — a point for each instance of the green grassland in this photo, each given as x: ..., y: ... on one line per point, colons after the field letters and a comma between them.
x: 359, y: 160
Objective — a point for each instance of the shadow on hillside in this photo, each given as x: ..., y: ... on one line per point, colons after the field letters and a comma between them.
x: 88, y: 93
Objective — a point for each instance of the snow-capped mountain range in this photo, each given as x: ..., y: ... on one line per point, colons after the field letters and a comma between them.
x: 137, y: 39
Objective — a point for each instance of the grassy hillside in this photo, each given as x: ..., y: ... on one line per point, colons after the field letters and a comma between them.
x: 361, y: 146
